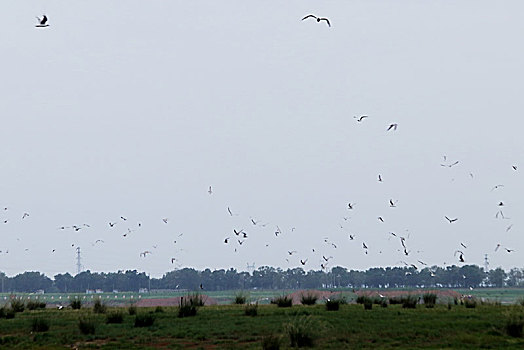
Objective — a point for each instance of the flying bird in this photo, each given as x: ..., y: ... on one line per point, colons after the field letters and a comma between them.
x: 226, y: 240
x: 303, y: 262
x: 25, y: 215
x: 144, y: 253
x: 350, y: 205
x: 451, y: 220
x: 210, y: 191
x: 462, y: 244
x: 364, y: 245
x: 392, y: 126
x: 318, y: 19
x: 361, y: 118
x: 514, y: 167
x: 379, y: 178
x: 392, y: 204
x: 42, y: 22
x: 165, y: 220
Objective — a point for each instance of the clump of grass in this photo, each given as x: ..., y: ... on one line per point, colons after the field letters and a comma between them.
x: 196, y: 299
x: 409, y: 302
x: 76, y: 304
x: 6, y: 312
x: 144, y: 320
x: 186, y: 307
x: 39, y: 324
x: 99, y: 307
x: 394, y: 301
x: 86, y: 325
x: 383, y: 302
x: 520, y: 301
x: 514, y: 323
x: 282, y: 301
x: 302, y: 331
x: 251, y: 309
x: 35, y: 305
x: 308, y: 299
x: 333, y: 304
x: 132, y: 310
x: 430, y: 299
x: 361, y: 299
x: 115, y: 317
x: 271, y: 342
x: 159, y: 309
x: 368, y: 304
x: 17, y: 305
x: 240, y: 298
x: 470, y: 303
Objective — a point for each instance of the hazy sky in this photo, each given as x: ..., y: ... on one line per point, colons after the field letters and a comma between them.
x: 135, y: 108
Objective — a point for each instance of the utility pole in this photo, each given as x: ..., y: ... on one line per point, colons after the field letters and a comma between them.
x: 78, y: 261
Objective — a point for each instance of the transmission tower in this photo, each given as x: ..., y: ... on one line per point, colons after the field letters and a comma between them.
x: 486, y: 263
x: 250, y: 268
x: 78, y: 261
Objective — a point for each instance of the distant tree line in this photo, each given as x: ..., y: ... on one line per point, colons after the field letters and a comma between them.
x: 267, y: 277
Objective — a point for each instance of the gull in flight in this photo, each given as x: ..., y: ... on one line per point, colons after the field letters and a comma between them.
x: 451, y: 220
x: 42, y: 22
x: 210, y: 191
x: 392, y: 126
x: 361, y: 118
x: 318, y: 19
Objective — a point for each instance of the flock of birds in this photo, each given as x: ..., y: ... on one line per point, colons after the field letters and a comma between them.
x: 240, y: 235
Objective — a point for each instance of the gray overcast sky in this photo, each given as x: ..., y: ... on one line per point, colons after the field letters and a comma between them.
x: 135, y: 108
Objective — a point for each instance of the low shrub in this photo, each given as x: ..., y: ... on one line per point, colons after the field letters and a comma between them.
x: 86, y: 325
x: 394, y: 301
x: 196, y: 299
x: 470, y: 303
x: 159, y: 309
x: 186, y: 307
x: 76, y: 304
x: 514, y: 323
x: 251, y: 309
x: 39, y: 325
x: 368, y: 304
x: 409, y: 302
x: 7, y: 313
x: 308, y: 299
x: 271, y: 342
x: 361, y: 299
x: 283, y: 301
x: 115, y: 317
x: 35, y: 305
x: 430, y: 299
x: 240, y: 298
x: 144, y: 320
x: 99, y: 307
x: 302, y: 331
x: 132, y: 310
x: 332, y: 304
x: 17, y: 305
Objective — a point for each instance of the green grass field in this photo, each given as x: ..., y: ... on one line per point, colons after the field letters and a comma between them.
x: 226, y: 327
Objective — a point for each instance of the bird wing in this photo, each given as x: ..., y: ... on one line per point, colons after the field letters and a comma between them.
x: 327, y: 20
x: 44, y: 19
x: 308, y: 16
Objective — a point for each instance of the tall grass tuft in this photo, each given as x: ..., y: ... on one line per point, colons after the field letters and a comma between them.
x: 430, y: 299
x: 196, y: 299
x: 271, y: 342
x: 333, y: 304
x: 514, y: 323
x: 115, y: 317
x: 132, y: 310
x: 76, y: 304
x: 251, y: 309
x: 86, y: 325
x: 39, y: 324
x: 240, y: 298
x: 144, y: 320
x: 302, y: 331
x: 308, y: 299
x: 470, y: 303
x: 282, y: 301
x: 35, y: 305
x: 17, y: 305
x: 187, y: 307
x: 99, y: 307
x: 409, y: 302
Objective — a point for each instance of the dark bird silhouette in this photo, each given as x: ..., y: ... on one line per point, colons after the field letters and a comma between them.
x: 461, y: 255
x: 379, y: 178
x: 210, y: 191
x: 350, y: 205
x: 326, y: 259
x: 123, y: 218
x: 514, y: 167
x: 509, y: 250
x: 462, y: 244
x: 201, y: 286
x: 361, y: 118
x: 25, y: 215
x: 42, y: 22
x: 451, y: 220
x: 392, y: 126
x: 351, y: 237
x: 392, y: 204
x: 364, y: 245
x: 318, y: 19
x: 303, y: 262
x: 291, y: 252
x: 226, y: 240
x: 111, y: 224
